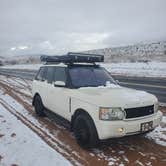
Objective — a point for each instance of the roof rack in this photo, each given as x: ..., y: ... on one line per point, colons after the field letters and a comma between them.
x: 73, y: 57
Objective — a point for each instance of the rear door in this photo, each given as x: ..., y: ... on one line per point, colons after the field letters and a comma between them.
x: 39, y: 83
x: 49, y: 87
x: 42, y: 85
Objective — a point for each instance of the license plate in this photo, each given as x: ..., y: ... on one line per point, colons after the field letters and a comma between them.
x: 146, y: 126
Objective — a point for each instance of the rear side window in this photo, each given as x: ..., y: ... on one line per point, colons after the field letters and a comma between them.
x: 60, y: 74
x: 41, y: 76
x: 50, y: 74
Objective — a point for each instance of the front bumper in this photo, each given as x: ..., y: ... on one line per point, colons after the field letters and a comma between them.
x: 111, y: 129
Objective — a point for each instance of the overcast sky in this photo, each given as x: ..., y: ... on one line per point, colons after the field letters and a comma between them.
x: 75, y: 25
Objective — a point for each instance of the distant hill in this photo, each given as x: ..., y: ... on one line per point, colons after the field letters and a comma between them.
x: 21, y: 59
x: 155, y: 51
x: 134, y: 53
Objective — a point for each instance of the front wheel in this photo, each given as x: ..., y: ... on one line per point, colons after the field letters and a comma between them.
x: 85, y: 131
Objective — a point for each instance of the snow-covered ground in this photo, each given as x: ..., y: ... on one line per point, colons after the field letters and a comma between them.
x: 23, y: 66
x: 21, y: 146
x: 158, y: 135
x: 151, y: 69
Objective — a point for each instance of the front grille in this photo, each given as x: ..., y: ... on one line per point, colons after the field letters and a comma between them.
x: 139, y: 111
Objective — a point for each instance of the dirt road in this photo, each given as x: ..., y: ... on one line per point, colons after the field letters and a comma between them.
x: 149, y: 149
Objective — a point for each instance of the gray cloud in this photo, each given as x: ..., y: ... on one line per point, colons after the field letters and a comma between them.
x: 56, y: 26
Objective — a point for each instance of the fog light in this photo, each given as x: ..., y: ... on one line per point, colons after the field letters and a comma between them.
x: 120, y: 130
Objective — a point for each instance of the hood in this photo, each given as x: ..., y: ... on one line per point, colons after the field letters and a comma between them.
x: 116, y: 96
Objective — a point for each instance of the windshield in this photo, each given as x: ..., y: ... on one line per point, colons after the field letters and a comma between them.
x: 90, y: 77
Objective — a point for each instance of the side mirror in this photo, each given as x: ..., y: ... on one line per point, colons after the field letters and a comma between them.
x: 59, y: 84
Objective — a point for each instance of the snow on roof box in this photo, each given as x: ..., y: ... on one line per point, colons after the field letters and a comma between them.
x: 73, y: 58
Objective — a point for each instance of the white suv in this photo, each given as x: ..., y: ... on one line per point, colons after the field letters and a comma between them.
x: 97, y: 107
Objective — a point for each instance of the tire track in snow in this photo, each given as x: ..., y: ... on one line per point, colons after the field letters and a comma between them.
x: 50, y: 140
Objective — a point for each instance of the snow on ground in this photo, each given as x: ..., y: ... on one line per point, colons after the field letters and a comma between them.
x: 151, y: 69
x: 21, y: 146
x: 23, y: 66
x: 159, y: 134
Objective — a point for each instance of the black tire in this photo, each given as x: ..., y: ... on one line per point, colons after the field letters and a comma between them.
x: 85, y: 131
x: 39, y: 108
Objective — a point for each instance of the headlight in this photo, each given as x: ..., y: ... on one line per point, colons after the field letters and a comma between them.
x: 111, y: 114
x: 156, y: 106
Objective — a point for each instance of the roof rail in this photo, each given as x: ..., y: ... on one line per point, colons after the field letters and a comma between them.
x: 73, y: 57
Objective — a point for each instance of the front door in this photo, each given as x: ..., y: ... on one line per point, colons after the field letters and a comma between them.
x: 59, y: 94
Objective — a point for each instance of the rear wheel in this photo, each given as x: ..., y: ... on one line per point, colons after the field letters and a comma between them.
x: 39, y: 108
x: 85, y: 131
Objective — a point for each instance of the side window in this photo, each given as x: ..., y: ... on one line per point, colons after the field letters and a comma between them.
x: 50, y: 74
x: 41, y: 76
x: 44, y: 74
x: 60, y: 74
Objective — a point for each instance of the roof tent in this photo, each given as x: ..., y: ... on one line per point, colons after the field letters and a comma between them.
x: 72, y: 57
